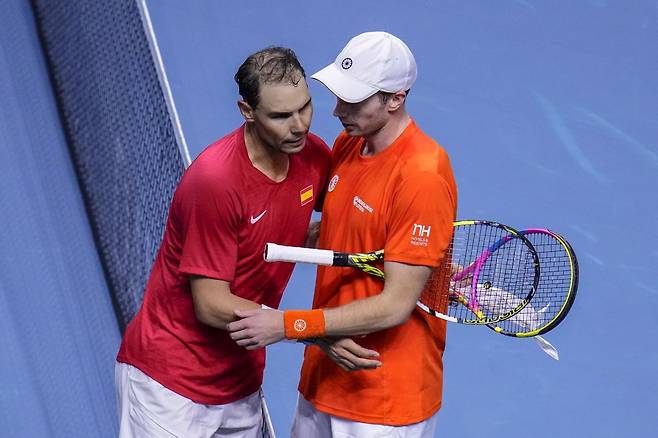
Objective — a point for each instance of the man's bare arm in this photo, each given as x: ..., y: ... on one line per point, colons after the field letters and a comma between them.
x: 214, y: 304
x: 393, y: 306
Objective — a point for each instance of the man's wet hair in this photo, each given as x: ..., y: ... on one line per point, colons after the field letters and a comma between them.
x: 272, y: 65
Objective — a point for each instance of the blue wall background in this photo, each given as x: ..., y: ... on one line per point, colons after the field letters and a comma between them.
x: 548, y: 110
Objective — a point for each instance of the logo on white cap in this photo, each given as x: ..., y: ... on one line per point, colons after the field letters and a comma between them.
x: 370, y: 62
x: 347, y: 63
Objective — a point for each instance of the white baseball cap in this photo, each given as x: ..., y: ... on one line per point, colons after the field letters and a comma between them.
x: 370, y: 62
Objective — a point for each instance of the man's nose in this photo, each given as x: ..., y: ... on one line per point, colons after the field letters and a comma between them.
x: 340, y: 108
x: 299, y: 124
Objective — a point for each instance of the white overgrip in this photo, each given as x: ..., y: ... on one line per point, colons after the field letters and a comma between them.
x: 295, y: 254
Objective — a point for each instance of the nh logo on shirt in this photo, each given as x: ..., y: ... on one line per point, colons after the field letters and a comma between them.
x: 420, y: 236
x: 422, y: 230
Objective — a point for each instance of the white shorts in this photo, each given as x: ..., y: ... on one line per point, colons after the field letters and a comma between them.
x: 149, y: 410
x: 309, y: 422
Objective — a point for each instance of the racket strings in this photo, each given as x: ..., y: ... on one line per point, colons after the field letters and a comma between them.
x: 472, y: 282
x: 505, y: 279
x: 557, y: 285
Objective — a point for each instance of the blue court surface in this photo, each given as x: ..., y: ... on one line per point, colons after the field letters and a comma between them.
x: 549, y: 111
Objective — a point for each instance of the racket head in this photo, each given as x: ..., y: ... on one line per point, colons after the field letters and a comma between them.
x: 556, y: 292
x: 483, y: 257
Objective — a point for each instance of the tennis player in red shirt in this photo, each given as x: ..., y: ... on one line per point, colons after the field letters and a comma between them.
x: 178, y: 373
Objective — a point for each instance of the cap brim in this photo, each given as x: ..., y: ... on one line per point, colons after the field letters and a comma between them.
x: 344, y: 86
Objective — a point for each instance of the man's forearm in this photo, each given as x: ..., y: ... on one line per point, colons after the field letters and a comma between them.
x: 219, y: 314
x: 365, y: 316
x: 214, y: 304
x: 391, y: 307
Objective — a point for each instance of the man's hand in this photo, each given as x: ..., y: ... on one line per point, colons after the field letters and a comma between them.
x: 349, y: 355
x: 257, y: 328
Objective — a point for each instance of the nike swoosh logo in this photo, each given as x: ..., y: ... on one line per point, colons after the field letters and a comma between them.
x: 257, y: 218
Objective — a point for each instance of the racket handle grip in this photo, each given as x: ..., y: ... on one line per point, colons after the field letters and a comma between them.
x: 295, y: 254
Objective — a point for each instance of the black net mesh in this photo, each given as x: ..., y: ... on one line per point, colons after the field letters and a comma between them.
x: 119, y: 131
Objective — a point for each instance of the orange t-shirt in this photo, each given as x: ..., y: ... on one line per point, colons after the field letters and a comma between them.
x: 403, y: 199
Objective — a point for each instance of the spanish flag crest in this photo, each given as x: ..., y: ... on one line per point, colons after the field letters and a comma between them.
x: 306, y: 195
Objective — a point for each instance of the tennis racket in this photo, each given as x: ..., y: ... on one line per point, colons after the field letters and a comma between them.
x: 556, y: 291
x: 483, y: 256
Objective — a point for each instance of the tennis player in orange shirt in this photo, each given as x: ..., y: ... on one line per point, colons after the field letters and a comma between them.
x: 391, y: 187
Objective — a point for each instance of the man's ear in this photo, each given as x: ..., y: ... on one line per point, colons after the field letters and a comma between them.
x: 246, y: 110
x: 396, y: 100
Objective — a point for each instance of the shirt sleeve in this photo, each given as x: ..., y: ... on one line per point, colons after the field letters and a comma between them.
x: 210, y: 217
x: 419, y: 227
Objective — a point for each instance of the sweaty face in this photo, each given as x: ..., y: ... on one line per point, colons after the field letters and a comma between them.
x: 283, y: 116
x: 363, y: 118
